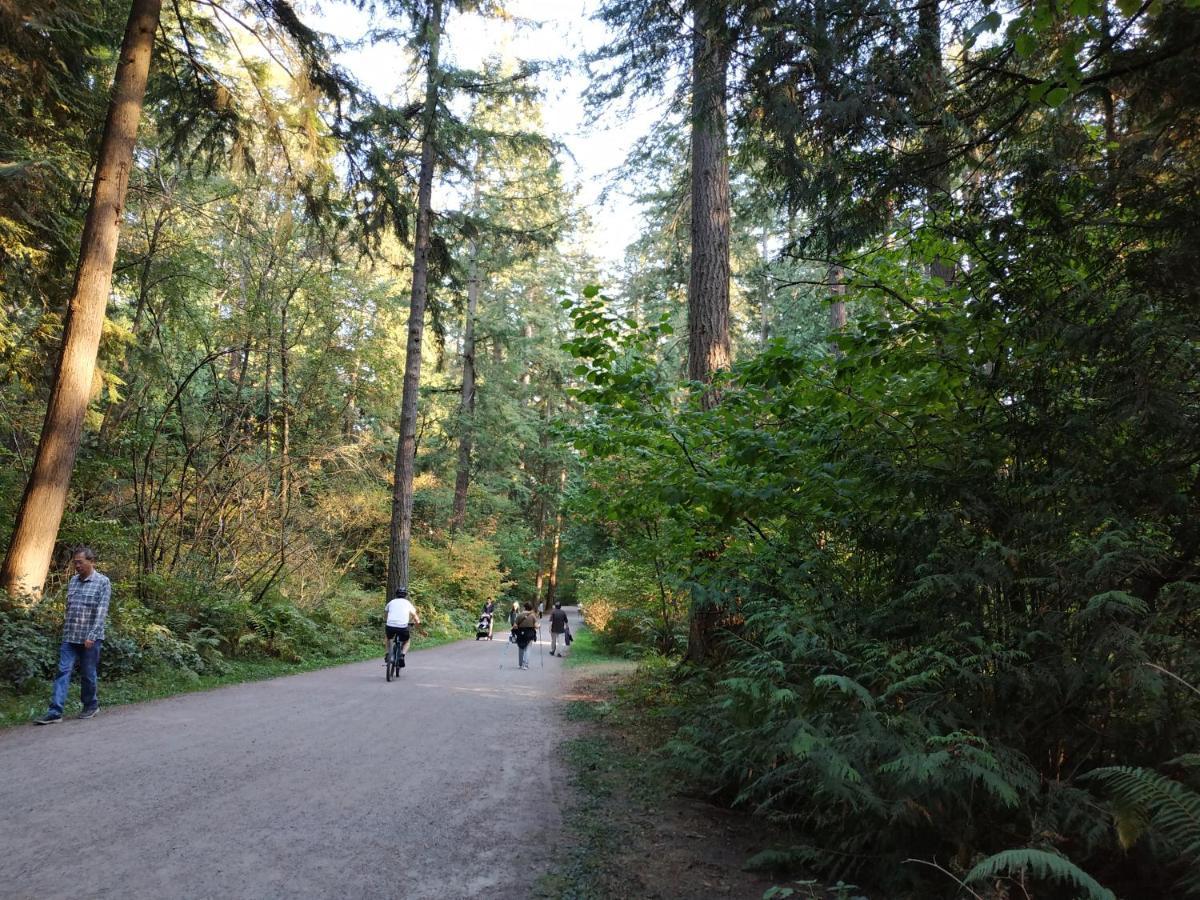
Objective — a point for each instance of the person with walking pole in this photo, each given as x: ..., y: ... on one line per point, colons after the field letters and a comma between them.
x: 558, y: 629
x: 525, y: 629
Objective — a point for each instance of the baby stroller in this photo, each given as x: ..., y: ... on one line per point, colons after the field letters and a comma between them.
x: 483, y: 629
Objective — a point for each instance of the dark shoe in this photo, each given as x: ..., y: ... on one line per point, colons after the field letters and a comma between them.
x: 402, y: 660
x: 89, y: 713
x: 47, y: 720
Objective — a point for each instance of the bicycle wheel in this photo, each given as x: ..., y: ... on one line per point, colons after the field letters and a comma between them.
x: 391, y: 667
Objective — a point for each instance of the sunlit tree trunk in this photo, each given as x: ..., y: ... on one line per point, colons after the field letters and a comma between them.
x: 41, y: 510
x: 556, y: 544
x: 118, y: 410
x: 708, y: 283
x: 402, y: 489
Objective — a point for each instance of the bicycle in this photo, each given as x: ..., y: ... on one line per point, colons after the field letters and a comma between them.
x: 395, y: 661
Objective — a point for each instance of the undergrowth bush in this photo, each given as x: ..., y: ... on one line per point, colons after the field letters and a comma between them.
x: 28, y: 647
x: 622, y: 602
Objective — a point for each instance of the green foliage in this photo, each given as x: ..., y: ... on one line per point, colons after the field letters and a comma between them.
x: 463, y: 575
x: 1041, y: 866
x: 622, y: 603
x: 1145, y: 801
x: 28, y: 647
x: 949, y: 562
x: 236, y: 462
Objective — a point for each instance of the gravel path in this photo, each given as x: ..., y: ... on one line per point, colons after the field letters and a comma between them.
x: 327, y: 784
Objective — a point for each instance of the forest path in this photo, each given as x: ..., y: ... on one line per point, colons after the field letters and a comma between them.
x: 328, y: 784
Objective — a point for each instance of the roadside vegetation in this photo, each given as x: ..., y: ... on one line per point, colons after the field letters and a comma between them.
x: 878, y: 449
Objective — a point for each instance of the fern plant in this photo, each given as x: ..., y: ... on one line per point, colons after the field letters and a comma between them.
x: 1041, y: 865
x: 1144, y: 801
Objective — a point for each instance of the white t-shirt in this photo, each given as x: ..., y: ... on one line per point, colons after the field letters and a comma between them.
x: 399, y: 611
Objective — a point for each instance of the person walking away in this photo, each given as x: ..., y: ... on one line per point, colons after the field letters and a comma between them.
x: 525, y: 628
x: 513, y: 614
x: 558, y: 629
x: 489, y: 610
x: 400, y: 615
x: 88, y: 596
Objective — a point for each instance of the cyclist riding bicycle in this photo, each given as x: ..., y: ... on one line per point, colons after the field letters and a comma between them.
x: 400, y: 614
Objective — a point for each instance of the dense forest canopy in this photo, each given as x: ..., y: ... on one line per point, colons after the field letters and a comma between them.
x: 882, y: 437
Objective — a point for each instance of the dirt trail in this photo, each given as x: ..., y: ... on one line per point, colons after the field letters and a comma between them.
x: 327, y: 784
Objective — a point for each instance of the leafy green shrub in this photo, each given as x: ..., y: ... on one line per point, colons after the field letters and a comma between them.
x: 28, y: 647
x: 122, y: 655
x: 622, y: 603
x: 463, y: 574
x: 277, y: 628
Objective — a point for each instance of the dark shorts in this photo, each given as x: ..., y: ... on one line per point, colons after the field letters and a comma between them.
x: 394, y: 631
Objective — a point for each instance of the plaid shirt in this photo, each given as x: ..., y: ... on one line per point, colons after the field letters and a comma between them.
x: 87, y: 607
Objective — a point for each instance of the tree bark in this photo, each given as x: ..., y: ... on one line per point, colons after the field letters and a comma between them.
x: 835, y: 277
x: 466, y: 413
x: 45, y: 498
x: 556, y: 543
x: 285, y: 430
x: 764, y: 295
x: 932, y: 96
x: 118, y: 410
x: 402, y: 490
x: 708, y: 283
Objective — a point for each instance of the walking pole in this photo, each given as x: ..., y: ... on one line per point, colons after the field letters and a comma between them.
x: 541, y: 650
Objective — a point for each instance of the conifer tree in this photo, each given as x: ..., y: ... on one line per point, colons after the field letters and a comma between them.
x: 38, y: 517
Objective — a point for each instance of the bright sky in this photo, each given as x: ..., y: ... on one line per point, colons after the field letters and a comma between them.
x: 567, y: 31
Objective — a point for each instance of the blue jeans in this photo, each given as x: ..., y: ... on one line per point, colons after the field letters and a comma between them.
x: 523, y: 654
x: 88, y: 661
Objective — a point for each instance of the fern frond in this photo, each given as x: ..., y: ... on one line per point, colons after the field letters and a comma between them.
x: 1041, y: 864
x: 847, y: 686
x: 919, y: 681
x: 1173, y: 809
x: 1111, y: 604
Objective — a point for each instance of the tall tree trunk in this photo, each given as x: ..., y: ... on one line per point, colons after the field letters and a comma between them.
x: 541, y: 481
x: 45, y: 498
x: 466, y: 412
x: 835, y: 278
x: 932, y: 99
x: 764, y: 295
x: 556, y: 543
x: 402, y: 489
x: 708, y: 283
x: 285, y: 430
x: 118, y: 410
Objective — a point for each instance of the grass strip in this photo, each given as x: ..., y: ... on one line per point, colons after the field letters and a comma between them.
x: 586, y: 650
x: 22, y: 707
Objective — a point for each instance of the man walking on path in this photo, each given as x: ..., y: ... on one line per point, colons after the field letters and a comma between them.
x: 558, y: 628
x: 88, y: 595
x: 525, y: 628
